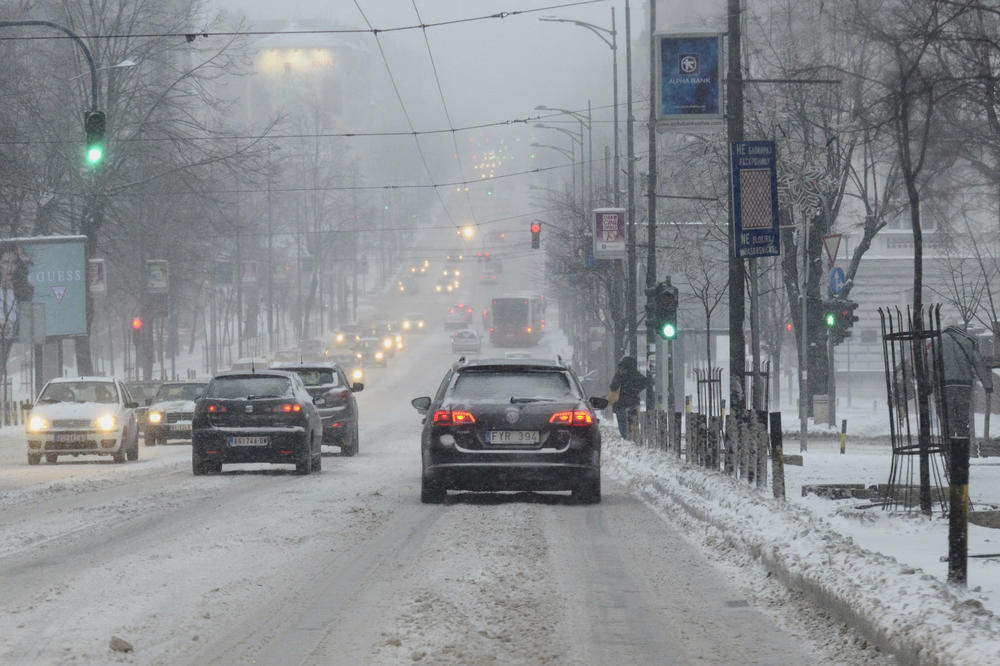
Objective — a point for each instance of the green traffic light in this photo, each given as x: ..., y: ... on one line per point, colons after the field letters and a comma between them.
x: 669, y: 331
x: 94, y: 155
x: 831, y: 319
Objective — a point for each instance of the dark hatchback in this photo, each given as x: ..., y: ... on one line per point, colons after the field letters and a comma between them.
x: 510, y: 424
x: 339, y: 411
x: 265, y: 416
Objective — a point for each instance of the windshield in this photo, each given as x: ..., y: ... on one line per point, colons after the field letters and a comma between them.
x: 266, y: 386
x: 179, y: 392
x: 506, y: 385
x: 510, y: 309
x: 104, y: 392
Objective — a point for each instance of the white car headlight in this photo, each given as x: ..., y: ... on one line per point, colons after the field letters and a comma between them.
x: 155, y: 417
x: 379, y: 355
x: 387, y: 343
x: 106, y: 422
x: 37, y: 424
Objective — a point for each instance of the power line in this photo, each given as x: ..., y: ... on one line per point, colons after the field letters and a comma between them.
x: 191, y: 36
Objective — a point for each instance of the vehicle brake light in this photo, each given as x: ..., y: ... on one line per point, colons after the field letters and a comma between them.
x: 576, y: 417
x: 453, y: 417
x: 288, y: 407
x: 216, y: 408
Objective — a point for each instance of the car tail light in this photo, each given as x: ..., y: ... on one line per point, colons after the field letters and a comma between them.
x: 529, y: 329
x: 214, y: 409
x: 576, y: 417
x: 288, y: 407
x: 453, y: 417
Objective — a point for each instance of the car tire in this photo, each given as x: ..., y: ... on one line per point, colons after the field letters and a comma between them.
x: 351, y: 448
x: 588, y: 491
x: 51, y: 458
x: 304, y: 465
x: 132, y: 453
x: 432, y: 492
x: 119, y: 455
x: 317, y: 463
x: 34, y: 458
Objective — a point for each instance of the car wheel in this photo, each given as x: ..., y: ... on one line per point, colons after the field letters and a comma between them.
x: 133, y: 451
x: 350, y: 448
x: 51, y: 458
x: 34, y: 458
x: 317, y: 463
x: 588, y: 492
x: 119, y: 455
x: 304, y: 465
x: 431, y: 492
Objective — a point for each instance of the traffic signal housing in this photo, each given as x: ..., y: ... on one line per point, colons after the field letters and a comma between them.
x: 536, y: 235
x: 839, y: 316
x: 137, y: 325
x: 661, y: 309
x: 94, y: 125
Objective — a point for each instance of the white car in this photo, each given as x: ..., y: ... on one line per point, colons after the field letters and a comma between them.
x: 466, y: 341
x: 169, y: 417
x: 83, y: 416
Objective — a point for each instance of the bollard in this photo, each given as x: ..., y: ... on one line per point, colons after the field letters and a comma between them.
x: 843, y: 436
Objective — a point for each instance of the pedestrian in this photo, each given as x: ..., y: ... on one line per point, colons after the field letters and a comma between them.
x: 629, y: 383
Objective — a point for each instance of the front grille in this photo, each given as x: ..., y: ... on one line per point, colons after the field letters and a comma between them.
x: 70, y: 424
x: 179, y: 416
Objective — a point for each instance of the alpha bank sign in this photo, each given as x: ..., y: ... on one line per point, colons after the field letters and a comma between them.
x: 689, y: 82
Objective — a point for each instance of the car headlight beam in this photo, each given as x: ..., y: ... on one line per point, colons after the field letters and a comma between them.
x: 106, y: 422
x: 155, y: 417
x: 37, y: 424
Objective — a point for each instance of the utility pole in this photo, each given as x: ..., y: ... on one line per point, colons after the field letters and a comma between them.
x: 651, y: 336
x: 630, y: 259
x: 737, y: 272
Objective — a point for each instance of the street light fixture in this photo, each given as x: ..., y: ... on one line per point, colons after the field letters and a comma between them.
x: 124, y: 63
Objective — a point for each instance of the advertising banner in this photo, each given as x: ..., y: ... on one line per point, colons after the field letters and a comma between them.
x: 249, y: 275
x: 609, y: 233
x: 97, y: 279
x: 689, y: 82
x: 755, y: 198
x: 50, y: 271
x: 223, y: 273
x: 157, y: 276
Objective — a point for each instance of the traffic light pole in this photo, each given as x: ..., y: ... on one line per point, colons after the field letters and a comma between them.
x: 79, y: 42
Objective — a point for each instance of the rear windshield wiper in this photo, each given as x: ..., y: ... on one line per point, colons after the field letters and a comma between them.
x: 516, y: 400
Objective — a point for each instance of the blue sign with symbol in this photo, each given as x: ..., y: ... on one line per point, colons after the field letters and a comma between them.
x: 837, y: 280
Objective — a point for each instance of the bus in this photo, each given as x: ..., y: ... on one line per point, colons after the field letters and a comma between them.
x: 517, y: 320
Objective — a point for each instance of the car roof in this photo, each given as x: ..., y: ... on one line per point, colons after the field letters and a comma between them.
x: 512, y: 363
x: 268, y: 372
x: 318, y: 365
x: 88, y: 378
x: 181, y: 382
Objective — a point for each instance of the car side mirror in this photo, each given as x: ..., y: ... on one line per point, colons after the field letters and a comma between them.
x: 319, y: 401
x: 598, y: 402
x: 132, y: 405
x: 421, y: 404
x: 357, y: 387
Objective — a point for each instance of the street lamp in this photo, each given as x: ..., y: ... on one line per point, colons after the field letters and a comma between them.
x: 124, y: 63
x: 613, y: 45
x: 585, y: 121
x: 575, y: 137
x: 570, y: 154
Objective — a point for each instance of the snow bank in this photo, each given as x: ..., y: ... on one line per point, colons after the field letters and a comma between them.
x: 900, y: 608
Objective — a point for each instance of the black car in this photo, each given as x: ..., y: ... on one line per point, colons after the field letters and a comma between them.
x: 510, y: 424
x: 339, y: 411
x: 256, y: 416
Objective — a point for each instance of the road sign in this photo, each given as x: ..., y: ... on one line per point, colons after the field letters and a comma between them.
x: 755, y: 198
x: 832, y: 245
x: 837, y: 281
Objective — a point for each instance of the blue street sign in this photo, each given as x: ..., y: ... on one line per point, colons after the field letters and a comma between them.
x: 837, y: 280
x: 755, y: 199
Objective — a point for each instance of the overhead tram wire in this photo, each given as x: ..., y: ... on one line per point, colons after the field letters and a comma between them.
x: 447, y: 115
x: 191, y: 36
x: 406, y: 114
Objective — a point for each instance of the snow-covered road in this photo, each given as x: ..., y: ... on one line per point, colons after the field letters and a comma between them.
x: 259, y: 565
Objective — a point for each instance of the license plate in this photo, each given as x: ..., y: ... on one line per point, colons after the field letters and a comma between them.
x: 512, y: 436
x: 72, y: 437
x: 180, y: 426
x: 249, y: 441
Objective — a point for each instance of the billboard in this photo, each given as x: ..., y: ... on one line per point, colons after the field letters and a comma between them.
x: 689, y: 82
x: 157, y: 276
x: 609, y: 233
x: 50, y: 271
x: 755, y: 199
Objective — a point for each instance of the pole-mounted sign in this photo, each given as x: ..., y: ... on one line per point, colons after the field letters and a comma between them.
x: 609, y: 233
x: 755, y: 199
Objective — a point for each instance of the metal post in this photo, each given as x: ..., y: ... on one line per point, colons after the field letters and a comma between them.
x: 804, y: 341
x: 630, y: 281
x: 651, y: 191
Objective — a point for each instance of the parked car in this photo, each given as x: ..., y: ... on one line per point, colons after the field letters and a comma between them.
x: 499, y: 424
x: 466, y: 340
x: 370, y: 351
x: 83, y: 416
x: 169, y: 417
x: 339, y: 409
x: 265, y: 416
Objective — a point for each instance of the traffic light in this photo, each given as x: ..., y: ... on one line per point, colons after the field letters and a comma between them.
x: 94, y: 125
x: 848, y: 315
x: 839, y: 317
x: 137, y: 325
x: 661, y: 309
x: 536, y: 234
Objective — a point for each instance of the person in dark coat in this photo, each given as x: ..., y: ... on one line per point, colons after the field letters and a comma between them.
x: 630, y: 382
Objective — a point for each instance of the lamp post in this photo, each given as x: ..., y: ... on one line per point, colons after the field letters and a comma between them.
x: 570, y: 154
x: 577, y: 138
x: 585, y: 122
x: 613, y: 45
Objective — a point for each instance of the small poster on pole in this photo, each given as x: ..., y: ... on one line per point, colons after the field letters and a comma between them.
x: 609, y: 233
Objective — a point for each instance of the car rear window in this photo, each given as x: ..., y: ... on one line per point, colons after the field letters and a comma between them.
x: 243, y: 387
x: 318, y: 376
x: 512, y: 384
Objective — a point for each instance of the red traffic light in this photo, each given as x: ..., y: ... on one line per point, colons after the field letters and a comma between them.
x: 788, y: 327
x: 536, y: 227
x: 136, y: 323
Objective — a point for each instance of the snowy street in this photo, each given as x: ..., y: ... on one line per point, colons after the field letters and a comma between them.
x: 260, y: 565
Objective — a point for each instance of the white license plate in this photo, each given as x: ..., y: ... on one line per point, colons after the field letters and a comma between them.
x: 249, y: 441
x: 180, y: 426
x: 72, y: 437
x: 512, y: 436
